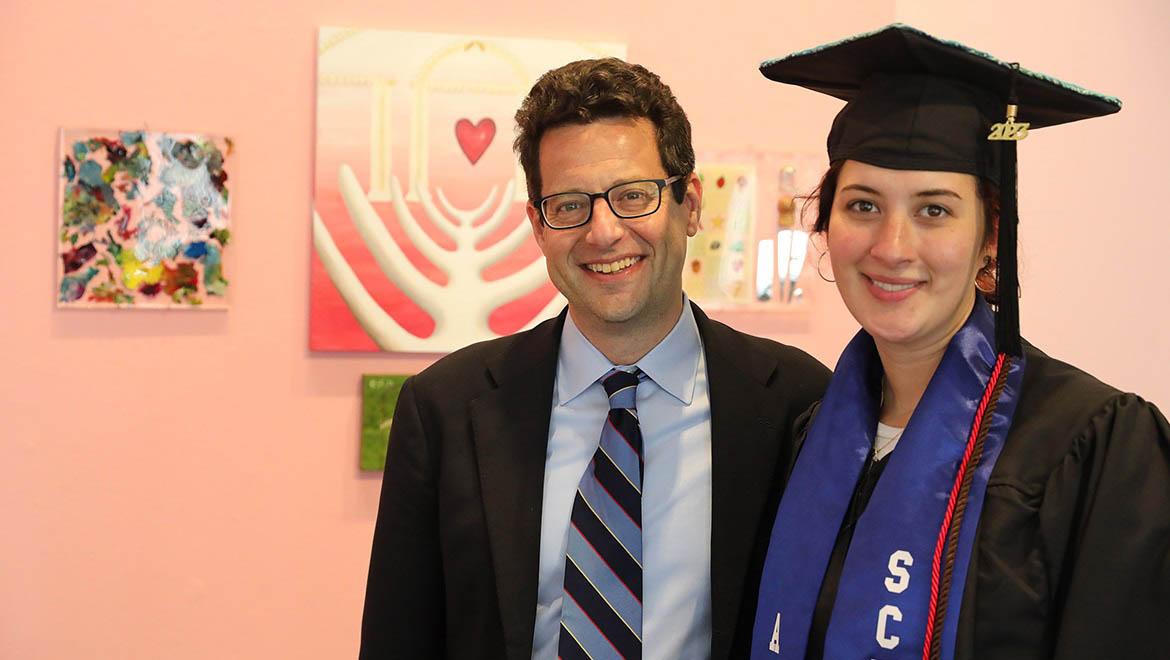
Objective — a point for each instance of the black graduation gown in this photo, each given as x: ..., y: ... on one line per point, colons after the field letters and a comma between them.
x: 1072, y: 551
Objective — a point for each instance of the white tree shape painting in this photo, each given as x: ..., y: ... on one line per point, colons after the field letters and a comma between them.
x: 447, y: 258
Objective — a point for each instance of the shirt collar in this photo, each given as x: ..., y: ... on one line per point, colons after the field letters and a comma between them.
x: 673, y: 364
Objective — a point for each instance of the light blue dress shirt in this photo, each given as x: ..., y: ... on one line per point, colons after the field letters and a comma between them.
x: 674, y: 411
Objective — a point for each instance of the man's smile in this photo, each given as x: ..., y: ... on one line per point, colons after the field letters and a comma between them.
x: 613, y: 266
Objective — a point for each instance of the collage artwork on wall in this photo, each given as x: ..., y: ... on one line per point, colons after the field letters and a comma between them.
x: 144, y: 219
x: 721, y: 257
x: 421, y: 240
x: 751, y: 246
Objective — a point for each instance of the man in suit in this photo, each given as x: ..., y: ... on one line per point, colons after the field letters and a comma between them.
x: 491, y: 447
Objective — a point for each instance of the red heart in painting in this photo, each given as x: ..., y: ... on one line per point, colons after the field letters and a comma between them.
x: 719, y: 183
x: 474, y: 138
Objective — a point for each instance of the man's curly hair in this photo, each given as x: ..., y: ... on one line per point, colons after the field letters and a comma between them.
x: 587, y: 90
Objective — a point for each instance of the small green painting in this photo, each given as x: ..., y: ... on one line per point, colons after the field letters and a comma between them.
x: 379, y: 396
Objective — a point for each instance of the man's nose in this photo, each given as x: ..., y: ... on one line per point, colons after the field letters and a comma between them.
x: 605, y: 228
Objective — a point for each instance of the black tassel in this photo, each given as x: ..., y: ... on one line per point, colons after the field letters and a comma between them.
x: 1007, y: 297
x: 1007, y: 312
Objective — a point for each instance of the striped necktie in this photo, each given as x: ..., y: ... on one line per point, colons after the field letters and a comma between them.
x: 601, y: 613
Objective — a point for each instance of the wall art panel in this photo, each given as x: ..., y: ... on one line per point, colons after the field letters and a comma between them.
x: 421, y: 241
x: 144, y: 219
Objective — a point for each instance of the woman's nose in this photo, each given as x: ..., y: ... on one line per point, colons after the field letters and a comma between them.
x: 893, y: 241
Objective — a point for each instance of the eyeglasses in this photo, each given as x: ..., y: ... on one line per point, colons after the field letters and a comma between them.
x: 632, y: 199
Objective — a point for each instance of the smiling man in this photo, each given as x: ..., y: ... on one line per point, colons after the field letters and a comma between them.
x: 616, y: 256
x: 590, y: 488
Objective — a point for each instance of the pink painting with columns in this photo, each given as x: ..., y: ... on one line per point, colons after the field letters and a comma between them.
x: 420, y: 238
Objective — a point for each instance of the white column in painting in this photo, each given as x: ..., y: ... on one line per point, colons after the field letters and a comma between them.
x: 380, y: 143
x: 419, y: 139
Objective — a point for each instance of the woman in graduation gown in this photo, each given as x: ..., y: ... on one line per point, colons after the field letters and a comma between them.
x: 957, y: 493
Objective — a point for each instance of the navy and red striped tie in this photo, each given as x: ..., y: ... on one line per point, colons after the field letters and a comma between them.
x: 601, y: 614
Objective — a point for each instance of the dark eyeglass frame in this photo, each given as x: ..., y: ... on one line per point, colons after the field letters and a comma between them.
x: 593, y: 197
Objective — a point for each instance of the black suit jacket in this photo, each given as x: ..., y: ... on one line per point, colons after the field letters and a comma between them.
x: 453, y: 570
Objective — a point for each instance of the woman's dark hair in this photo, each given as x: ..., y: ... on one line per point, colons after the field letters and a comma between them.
x: 826, y: 191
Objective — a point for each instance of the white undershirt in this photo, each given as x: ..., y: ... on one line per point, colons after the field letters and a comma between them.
x: 885, y: 439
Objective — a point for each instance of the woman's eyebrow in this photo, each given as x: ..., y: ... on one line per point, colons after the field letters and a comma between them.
x: 940, y: 192
x: 860, y: 188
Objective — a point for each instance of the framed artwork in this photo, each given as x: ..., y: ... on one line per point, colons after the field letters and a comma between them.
x: 751, y: 248
x: 420, y: 236
x: 781, y: 261
x: 721, y: 257
x: 144, y: 219
x: 379, y: 397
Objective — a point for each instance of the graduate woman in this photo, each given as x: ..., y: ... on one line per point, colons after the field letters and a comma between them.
x: 958, y: 493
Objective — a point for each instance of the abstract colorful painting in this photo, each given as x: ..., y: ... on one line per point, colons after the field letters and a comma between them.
x: 379, y: 397
x: 421, y: 242
x: 144, y: 219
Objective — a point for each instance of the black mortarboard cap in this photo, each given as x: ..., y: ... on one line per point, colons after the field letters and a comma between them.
x: 916, y: 102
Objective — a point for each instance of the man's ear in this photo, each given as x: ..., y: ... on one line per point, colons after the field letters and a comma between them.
x: 693, y: 202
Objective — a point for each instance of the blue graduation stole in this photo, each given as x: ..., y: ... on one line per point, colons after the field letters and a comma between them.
x: 884, y: 598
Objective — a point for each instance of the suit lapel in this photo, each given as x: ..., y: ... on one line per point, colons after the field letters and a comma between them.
x: 510, y: 425
x: 745, y: 444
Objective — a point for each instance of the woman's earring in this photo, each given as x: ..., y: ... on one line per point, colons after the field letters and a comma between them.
x: 985, y: 278
x: 822, y: 258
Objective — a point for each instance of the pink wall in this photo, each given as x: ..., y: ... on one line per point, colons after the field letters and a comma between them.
x: 184, y: 485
